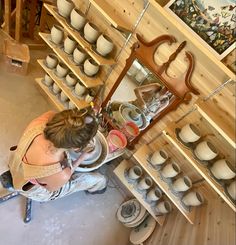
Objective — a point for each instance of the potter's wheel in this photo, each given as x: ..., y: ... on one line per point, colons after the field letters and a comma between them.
x: 96, y: 158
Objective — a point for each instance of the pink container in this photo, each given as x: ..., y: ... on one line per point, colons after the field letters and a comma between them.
x: 131, y: 130
x: 116, y: 140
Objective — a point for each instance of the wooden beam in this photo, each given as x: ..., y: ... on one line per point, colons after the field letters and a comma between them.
x: 19, y: 7
x: 7, y: 16
x: 33, y: 8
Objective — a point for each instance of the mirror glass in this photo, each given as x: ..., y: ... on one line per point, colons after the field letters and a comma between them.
x: 140, y: 96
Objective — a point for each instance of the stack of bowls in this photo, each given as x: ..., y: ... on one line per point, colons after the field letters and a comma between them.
x: 131, y: 213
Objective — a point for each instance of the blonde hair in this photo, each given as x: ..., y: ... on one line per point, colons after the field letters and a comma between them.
x: 71, y: 128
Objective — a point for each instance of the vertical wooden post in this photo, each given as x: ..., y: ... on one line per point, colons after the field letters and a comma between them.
x: 33, y: 7
x: 43, y: 18
x: 19, y: 6
x: 7, y: 16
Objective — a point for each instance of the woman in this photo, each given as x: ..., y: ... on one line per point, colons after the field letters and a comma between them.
x: 41, y: 167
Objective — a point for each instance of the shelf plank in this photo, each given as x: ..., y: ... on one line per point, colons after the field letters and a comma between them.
x: 170, y: 134
x: 141, y: 156
x: 108, y: 12
x: 193, y: 40
x: 89, y: 82
x: 218, y: 119
x: 119, y: 171
x: 52, y: 97
x: 76, y: 35
x: 80, y: 104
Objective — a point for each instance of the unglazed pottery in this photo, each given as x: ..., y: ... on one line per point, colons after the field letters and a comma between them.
x: 80, y: 89
x: 90, y: 67
x: 56, y: 89
x: 69, y: 45
x: 79, y: 55
x: 163, y: 207
x: 71, y: 105
x: 71, y: 79
x: 232, y: 190
x: 222, y: 169
x: 77, y: 19
x: 145, y: 183
x: 48, y: 80
x: 170, y: 170
x: 158, y: 157
x: 91, y: 32
x: 189, y: 133
x: 182, y: 184
x: 104, y: 45
x: 153, y: 195
x: 61, y: 70
x: 63, y: 97
x: 57, y: 34
x: 65, y: 7
x: 51, y: 61
x: 135, y: 172
x: 193, y: 198
x: 205, y: 151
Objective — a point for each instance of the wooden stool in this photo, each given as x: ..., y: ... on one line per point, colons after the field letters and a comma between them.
x: 16, y: 57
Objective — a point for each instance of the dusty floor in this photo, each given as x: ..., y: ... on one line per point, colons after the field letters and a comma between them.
x: 77, y: 219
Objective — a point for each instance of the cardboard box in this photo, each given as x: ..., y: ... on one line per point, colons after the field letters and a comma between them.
x: 16, y: 56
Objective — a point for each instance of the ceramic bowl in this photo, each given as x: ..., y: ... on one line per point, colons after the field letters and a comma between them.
x: 104, y: 45
x: 61, y: 70
x: 65, y: 7
x: 77, y: 19
x: 79, y: 55
x: 91, y: 68
x: 71, y: 79
x: 69, y: 45
x: 57, y: 34
x: 48, y: 80
x: 91, y: 32
x: 51, y: 61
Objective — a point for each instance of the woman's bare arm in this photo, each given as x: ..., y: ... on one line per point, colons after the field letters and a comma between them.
x: 145, y: 88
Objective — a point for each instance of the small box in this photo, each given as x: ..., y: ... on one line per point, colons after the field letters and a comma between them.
x: 16, y: 56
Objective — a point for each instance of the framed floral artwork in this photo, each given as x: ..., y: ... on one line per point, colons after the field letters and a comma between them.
x: 213, y: 22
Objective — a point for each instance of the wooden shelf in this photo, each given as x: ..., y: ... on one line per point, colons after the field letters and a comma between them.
x: 52, y: 97
x: 108, y: 12
x: 78, y: 103
x: 191, y: 38
x: 170, y: 134
x: 76, y: 35
x: 141, y: 156
x: 89, y: 82
x: 119, y: 171
x: 219, y: 119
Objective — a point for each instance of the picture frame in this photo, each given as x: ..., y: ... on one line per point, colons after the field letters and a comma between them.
x: 212, y: 22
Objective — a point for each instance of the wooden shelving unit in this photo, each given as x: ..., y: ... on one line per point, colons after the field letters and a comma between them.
x: 78, y: 103
x: 141, y: 156
x: 218, y: 119
x: 89, y: 82
x: 177, y: 25
x: 106, y: 10
x: 187, y: 153
x: 52, y: 97
x: 119, y: 171
x: 76, y: 35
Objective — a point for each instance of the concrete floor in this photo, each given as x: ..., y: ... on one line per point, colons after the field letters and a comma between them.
x: 77, y: 219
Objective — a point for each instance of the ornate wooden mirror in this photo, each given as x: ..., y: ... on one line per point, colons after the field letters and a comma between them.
x: 151, y: 93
